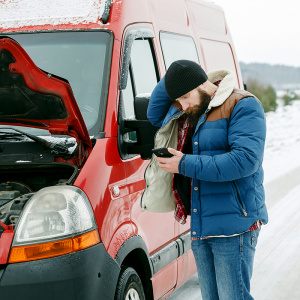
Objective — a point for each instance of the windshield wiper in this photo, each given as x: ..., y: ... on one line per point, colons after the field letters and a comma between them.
x: 55, y: 148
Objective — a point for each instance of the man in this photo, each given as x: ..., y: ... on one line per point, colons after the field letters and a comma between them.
x: 217, y: 136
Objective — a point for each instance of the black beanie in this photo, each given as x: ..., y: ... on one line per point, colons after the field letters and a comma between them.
x: 182, y: 77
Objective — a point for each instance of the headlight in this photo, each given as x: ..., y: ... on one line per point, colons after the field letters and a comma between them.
x: 54, y: 213
x: 57, y: 220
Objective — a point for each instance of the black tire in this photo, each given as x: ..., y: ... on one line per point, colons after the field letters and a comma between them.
x: 129, y: 286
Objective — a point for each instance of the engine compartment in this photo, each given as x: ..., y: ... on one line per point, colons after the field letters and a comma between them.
x: 20, y: 183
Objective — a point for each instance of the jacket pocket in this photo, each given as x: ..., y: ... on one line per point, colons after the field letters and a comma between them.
x: 239, y: 200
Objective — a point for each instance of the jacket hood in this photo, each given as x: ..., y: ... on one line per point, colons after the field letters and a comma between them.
x: 225, y: 88
x: 33, y: 98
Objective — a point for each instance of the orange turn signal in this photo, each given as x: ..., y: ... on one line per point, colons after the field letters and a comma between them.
x: 51, y: 249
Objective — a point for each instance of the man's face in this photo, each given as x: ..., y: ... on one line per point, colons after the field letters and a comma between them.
x: 195, y: 103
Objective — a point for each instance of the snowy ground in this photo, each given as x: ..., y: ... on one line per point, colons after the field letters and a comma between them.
x: 283, y: 141
x: 277, y: 262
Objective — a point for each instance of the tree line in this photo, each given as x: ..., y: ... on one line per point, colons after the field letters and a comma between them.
x: 279, y: 76
x: 262, y: 80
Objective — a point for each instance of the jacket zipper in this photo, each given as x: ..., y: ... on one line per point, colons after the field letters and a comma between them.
x: 240, y: 201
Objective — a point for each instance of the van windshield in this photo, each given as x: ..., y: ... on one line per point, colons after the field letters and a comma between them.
x: 81, y: 57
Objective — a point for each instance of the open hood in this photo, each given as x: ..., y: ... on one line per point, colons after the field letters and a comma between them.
x: 33, y: 98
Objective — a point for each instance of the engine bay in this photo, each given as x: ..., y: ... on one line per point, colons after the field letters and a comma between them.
x: 19, y: 184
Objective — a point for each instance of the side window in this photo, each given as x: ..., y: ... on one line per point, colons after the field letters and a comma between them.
x: 143, y: 74
x: 218, y: 55
x: 176, y: 46
x: 128, y: 96
x: 143, y: 67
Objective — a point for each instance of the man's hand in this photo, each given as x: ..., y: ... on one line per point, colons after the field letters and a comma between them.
x: 170, y: 164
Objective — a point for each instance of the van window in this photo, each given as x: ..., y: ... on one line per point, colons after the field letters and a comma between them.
x: 81, y: 57
x: 143, y: 67
x: 142, y: 74
x: 218, y: 55
x: 176, y: 46
x: 142, y: 77
x: 128, y: 96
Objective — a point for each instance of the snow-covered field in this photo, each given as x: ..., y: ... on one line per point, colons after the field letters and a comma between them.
x: 282, y: 148
x: 277, y: 262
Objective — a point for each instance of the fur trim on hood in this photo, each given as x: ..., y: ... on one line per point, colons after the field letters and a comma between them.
x: 226, y: 86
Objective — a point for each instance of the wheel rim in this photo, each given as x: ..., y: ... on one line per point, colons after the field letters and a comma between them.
x: 132, y: 294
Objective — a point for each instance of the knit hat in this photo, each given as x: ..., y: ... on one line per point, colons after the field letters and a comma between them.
x: 182, y: 77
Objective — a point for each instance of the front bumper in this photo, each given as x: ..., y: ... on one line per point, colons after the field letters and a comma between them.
x: 86, y: 275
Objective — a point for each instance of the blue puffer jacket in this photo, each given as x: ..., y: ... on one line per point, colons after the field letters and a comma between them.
x: 226, y: 163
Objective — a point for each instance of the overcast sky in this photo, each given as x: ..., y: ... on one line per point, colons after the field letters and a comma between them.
x: 264, y: 30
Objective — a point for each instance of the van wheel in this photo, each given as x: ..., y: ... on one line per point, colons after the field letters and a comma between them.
x: 129, y: 285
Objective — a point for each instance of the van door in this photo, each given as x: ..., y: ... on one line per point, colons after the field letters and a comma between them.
x: 174, y: 47
x: 156, y: 229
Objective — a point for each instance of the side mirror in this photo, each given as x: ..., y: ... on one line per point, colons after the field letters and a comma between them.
x: 144, y: 130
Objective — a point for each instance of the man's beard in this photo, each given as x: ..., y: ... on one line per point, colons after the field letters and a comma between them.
x: 194, y: 113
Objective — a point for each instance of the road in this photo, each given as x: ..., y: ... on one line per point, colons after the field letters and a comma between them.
x: 277, y: 262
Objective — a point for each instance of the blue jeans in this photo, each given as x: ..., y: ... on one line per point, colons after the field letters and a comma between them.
x: 225, y: 266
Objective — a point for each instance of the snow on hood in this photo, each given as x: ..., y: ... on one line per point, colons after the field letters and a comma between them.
x: 21, y: 13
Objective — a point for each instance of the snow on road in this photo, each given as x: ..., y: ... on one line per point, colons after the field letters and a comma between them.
x: 277, y: 261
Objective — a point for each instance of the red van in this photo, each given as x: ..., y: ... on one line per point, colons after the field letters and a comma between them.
x: 75, y: 81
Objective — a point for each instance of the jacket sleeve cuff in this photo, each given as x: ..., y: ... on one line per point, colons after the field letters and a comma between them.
x: 181, y: 167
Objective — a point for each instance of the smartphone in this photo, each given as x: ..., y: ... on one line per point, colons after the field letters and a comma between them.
x: 162, y: 152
